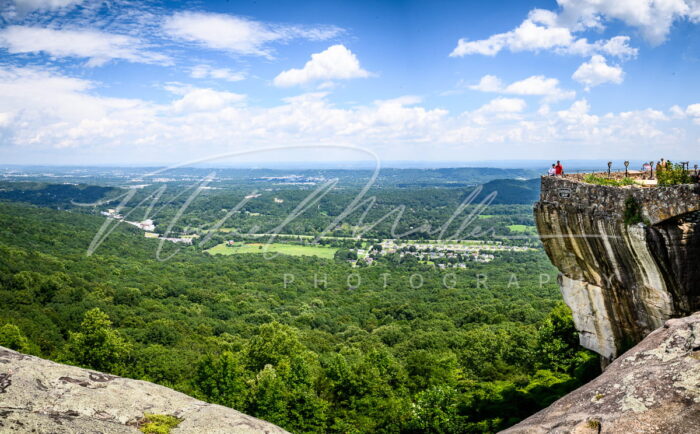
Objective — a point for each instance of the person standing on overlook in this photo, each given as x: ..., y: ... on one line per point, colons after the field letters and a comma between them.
x: 559, y: 169
x: 552, y: 170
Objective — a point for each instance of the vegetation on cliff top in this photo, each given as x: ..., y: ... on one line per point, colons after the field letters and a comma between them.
x: 592, y: 178
x: 673, y: 174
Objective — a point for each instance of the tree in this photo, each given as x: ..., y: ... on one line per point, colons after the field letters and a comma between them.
x: 435, y: 410
x: 97, y: 345
x: 11, y: 337
x: 273, y: 343
x: 222, y: 380
x: 557, y: 341
x: 268, y: 397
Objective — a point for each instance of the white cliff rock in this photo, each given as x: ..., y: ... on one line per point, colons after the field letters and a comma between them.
x: 621, y: 280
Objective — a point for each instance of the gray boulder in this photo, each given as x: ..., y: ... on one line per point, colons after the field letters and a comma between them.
x: 652, y: 388
x: 38, y: 395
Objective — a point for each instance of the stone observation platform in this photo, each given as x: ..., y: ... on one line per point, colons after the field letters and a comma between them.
x: 658, y: 203
x: 621, y: 280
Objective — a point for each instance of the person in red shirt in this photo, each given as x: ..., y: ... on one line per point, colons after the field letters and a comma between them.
x: 558, y: 169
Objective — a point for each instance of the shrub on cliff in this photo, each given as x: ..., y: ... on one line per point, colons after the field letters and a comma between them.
x: 673, y: 174
x: 633, y: 212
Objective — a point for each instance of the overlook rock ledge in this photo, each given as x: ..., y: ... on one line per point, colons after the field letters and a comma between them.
x: 621, y: 281
x: 652, y: 388
x: 38, y: 395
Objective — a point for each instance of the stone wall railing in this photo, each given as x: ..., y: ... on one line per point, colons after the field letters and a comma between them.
x: 658, y: 203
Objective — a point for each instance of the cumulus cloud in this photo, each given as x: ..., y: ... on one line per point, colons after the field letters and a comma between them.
x: 693, y: 111
x: 206, y: 71
x: 237, y: 34
x: 653, y: 18
x: 488, y: 83
x: 97, y: 47
x: 537, y: 32
x: 54, y: 110
x: 202, y: 99
x: 542, y: 31
x: 556, y: 31
x: 335, y: 63
x: 22, y: 7
x: 536, y: 85
x: 504, y: 105
x: 596, y: 72
x: 42, y: 110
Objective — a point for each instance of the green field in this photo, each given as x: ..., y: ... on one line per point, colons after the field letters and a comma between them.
x: 285, y: 249
x: 521, y: 228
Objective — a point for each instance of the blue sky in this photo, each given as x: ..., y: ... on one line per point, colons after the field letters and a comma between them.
x: 135, y: 82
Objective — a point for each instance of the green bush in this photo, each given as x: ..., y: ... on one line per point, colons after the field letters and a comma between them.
x: 633, y: 212
x: 599, y: 180
x: 158, y: 423
x: 672, y: 174
x: 11, y: 337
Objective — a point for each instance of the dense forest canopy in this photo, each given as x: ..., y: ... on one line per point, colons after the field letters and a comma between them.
x: 336, y: 347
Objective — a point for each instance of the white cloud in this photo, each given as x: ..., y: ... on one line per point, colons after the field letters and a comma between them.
x: 96, y: 46
x: 504, y: 105
x: 693, y: 110
x: 206, y: 71
x: 536, y: 85
x: 537, y: 32
x: 336, y: 62
x: 596, y: 72
x: 556, y: 31
x: 22, y: 7
x: 42, y: 110
x: 540, y: 85
x: 5, y: 119
x: 653, y: 18
x: 48, y: 109
x: 541, y: 31
x: 617, y: 46
x: 198, y: 99
x: 488, y: 83
x: 236, y: 34
x: 677, y: 112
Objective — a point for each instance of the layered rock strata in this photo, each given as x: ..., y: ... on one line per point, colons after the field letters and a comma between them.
x: 622, y: 281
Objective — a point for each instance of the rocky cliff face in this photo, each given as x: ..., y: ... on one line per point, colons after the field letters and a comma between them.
x: 652, y: 388
x: 622, y: 281
x: 40, y: 396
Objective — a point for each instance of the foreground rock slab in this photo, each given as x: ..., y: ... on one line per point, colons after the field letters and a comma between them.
x: 652, y: 388
x: 38, y: 395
